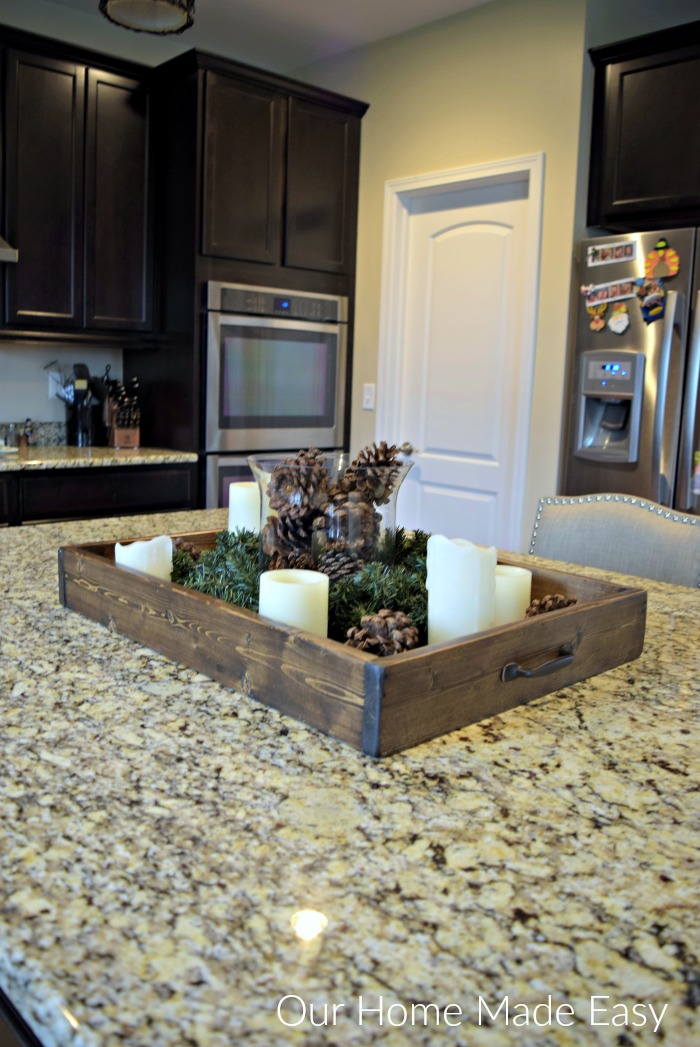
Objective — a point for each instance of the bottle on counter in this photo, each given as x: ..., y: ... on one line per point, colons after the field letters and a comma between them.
x: 11, y: 435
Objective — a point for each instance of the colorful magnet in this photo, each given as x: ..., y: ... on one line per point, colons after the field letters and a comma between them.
x: 620, y: 318
x: 663, y: 261
x: 596, y: 311
x: 652, y: 298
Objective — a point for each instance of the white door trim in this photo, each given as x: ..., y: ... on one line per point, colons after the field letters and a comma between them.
x: 398, y: 195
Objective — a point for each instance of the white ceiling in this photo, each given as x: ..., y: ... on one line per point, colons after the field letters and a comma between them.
x: 288, y: 34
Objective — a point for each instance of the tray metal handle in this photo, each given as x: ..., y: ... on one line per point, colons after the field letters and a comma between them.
x: 511, y: 671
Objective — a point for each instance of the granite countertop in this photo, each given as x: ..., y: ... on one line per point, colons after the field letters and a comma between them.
x: 533, y: 879
x: 49, y: 457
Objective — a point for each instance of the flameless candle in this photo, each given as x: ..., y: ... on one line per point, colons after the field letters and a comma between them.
x: 513, y: 593
x: 461, y: 584
x: 298, y: 598
x: 244, y: 506
x: 154, y: 557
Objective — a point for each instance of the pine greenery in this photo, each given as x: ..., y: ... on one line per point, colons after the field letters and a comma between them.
x: 231, y: 572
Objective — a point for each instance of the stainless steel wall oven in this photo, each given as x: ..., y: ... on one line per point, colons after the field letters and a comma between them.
x: 276, y: 369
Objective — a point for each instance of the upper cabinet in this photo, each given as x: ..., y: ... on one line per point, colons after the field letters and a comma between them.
x: 77, y: 158
x: 270, y: 164
x: 645, y: 144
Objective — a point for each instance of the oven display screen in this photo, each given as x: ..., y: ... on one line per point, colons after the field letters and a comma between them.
x: 277, y: 378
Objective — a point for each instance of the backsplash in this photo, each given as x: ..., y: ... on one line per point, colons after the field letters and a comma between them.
x: 44, y: 434
x: 25, y: 384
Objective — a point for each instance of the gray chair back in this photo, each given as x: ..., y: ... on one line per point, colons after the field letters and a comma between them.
x: 619, y: 533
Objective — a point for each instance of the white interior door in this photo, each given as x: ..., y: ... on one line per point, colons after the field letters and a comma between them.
x: 456, y: 358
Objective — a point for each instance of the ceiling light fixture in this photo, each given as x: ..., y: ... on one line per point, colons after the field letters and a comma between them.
x: 150, y: 16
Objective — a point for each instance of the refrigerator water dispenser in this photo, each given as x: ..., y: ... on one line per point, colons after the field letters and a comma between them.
x: 610, y: 405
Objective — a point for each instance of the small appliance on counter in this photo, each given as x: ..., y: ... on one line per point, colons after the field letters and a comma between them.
x: 84, y: 398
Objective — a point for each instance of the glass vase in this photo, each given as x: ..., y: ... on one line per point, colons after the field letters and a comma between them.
x: 319, y: 511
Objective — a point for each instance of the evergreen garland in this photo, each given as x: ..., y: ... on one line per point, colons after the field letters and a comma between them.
x: 232, y: 569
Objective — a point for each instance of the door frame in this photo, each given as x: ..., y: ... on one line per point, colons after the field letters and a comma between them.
x: 399, y: 193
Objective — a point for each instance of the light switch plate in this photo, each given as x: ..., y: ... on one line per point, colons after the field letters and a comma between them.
x: 368, y: 396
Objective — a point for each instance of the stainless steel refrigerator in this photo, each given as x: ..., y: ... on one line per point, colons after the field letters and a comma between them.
x: 634, y: 416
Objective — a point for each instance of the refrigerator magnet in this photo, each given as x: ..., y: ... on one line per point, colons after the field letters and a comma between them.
x: 652, y: 298
x: 662, y: 261
x: 620, y: 318
x: 596, y: 313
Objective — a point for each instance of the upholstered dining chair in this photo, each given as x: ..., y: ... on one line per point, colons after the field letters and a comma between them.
x: 619, y: 533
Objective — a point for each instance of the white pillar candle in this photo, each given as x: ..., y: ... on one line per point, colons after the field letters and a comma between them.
x: 244, y: 506
x: 513, y: 593
x: 298, y: 598
x: 154, y: 557
x: 461, y: 584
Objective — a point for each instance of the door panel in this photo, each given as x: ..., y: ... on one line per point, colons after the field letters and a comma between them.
x: 463, y: 369
x: 243, y: 171
x: 44, y: 107
x: 117, y: 175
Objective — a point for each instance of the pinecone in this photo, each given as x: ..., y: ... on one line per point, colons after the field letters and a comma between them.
x: 299, y: 482
x: 373, y: 472
x: 339, y: 562
x: 183, y: 546
x: 386, y: 632
x: 298, y: 491
x: 551, y: 602
x: 299, y: 561
x: 348, y: 521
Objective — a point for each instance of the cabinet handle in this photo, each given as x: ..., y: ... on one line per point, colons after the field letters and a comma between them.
x: 511, y: 671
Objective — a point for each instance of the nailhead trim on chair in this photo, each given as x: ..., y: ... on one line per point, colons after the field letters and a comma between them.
x: 652, y: 507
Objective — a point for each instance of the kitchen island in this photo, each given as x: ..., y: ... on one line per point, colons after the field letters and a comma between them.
x: 531, y: 879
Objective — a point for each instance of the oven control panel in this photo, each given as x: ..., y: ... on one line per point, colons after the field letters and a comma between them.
x: 265, y: 301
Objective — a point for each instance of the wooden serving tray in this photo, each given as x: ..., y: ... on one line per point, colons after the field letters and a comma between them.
x: 378, y: 705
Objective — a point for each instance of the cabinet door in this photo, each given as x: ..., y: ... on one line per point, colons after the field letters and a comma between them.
x: 243, y: 170
x: 323, y: 154
x: 117, y: 204
x: 44, y: 190
x: 645, y: 152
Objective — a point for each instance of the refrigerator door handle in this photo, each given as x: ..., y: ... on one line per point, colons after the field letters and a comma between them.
x: 664, y: 484
x: 684, y: 498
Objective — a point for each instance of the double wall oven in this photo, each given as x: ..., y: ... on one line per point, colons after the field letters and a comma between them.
x: 276, y: 370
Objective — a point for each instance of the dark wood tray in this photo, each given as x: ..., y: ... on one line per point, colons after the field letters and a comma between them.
x: 378, y: 705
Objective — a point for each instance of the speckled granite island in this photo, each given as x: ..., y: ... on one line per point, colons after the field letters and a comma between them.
x: 533, y: 879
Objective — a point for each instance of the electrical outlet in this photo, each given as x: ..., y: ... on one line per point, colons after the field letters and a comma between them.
x: 368, y: 396
x: 55, y: 383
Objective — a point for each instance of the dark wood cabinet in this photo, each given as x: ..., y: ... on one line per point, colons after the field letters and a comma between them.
x: 9, y: 505
x: 117, y: 205
x: 44, y: 107
x: 72, y: 494
x: 273, y: 167
x: 645, y: 146
x: 77, y: 196
x: 243, y: 182
x: 323, y: 157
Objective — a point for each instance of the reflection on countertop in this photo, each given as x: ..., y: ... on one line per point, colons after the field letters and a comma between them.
x: 45, y: 457
x: 163, y: 838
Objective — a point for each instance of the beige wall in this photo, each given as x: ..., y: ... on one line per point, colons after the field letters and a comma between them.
x: 501, y: 81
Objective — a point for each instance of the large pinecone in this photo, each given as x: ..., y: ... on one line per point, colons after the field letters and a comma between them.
x: 348, y: 520
x: 298, y: 491
x: 373, y: 472
x: 386, y: 632
x: 299, y: 482
x: 551, y: 602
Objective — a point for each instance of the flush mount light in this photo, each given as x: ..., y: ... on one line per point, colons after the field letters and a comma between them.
x: 150, y: 16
